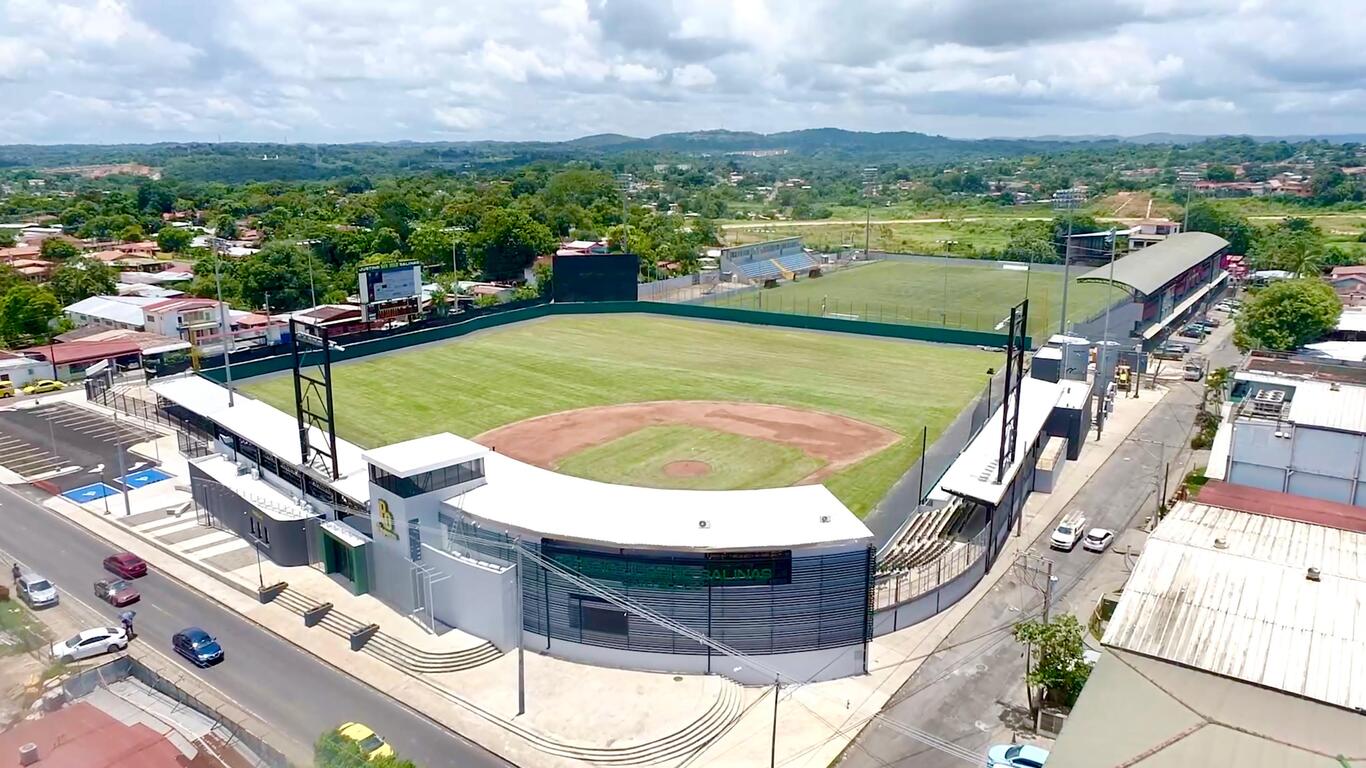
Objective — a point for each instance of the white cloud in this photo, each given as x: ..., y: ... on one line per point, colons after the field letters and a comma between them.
x: 460, y: 119
x: 693, y: 76
x: 345, y: 70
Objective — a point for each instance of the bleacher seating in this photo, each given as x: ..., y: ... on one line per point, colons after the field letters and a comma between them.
x: 928, y: 536
x: 760, y: 270
x: 799, y: 263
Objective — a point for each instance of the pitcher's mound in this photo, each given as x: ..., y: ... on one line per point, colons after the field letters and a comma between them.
x: 687, y: 469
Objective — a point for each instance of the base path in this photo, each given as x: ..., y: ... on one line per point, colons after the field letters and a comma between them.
x: 838, y: 441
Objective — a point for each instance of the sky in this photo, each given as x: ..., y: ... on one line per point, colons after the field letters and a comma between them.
x: 109, y: 71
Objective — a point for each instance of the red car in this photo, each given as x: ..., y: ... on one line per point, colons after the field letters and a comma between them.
x: 126, y: 564
x: 117, y: 593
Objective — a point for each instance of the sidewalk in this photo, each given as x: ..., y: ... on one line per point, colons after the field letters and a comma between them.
x: 577, y: 714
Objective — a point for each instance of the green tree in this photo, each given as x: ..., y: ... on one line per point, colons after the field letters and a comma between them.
x: 132, y: 234
x: 27, y: 313
x: 385, y: 241
x: 1217, y: 172
x: 279, y: 273
x: 1296, y: 245
x: 1287, y: 315
x: 81, y: 278
x: 432, y: 245
x: 1030, y: 247
x: 485, y: 300
x: 174, y: 239
x: 545, y: 280
x: 1203, y: 216
x: 58, y: 249
x: 225, y: 226
x: 6, y: 238
x: 508, y: 241
x: 1057, y: 666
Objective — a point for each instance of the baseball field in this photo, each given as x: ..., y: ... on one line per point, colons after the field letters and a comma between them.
x: 975, y: 295
x: 667, y: 402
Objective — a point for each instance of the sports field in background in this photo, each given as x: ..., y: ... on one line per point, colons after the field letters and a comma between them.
x: 468, y: 386
x: 974, y: 295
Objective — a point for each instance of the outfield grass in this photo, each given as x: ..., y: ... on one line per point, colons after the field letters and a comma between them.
x: 985, y: 235
x: 972, y: 296
x: 472, y: 385
x: 736, y: 461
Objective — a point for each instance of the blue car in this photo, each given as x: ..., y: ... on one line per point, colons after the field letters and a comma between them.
x: 1016, y: 756
x: 197, y: 646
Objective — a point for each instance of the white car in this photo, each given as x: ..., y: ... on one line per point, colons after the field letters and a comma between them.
x: 1068, y: 532
x: 1097, y: 539
x: 90, y: 642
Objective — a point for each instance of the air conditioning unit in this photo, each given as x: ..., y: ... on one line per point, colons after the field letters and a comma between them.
x: 243, y: 468
x: 1269, y: 402
x: 255, y: 473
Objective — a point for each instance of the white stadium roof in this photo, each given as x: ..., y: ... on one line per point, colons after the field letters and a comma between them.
x: 973, y: 473
x: 521, y: 498
x: 253, y: 420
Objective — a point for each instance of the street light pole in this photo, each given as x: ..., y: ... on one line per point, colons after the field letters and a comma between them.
x: 521, y: 664
x: 123, y: 473
x: 1070, y: 198
x: 223, y: 316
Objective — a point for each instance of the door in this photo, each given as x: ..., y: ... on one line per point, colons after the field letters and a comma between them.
x: 91, y: 646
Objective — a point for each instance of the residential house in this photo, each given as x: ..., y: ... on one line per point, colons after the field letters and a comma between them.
x: 189, y: 318
x: 19, y: 370
x: 1149, y: 231
x: 143, y: 248
x: 110, y: 312
x: 582, y: 248
x: 72, y: 358
x: 33, y: 270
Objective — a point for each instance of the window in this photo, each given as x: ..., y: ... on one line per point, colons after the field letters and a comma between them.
x: 250, y: 451
x: 591, y: 614
x: 426, y: 482
x: 270, y: 463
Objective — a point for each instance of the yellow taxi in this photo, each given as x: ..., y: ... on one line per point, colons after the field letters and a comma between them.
x: 371, y: 745
x: 43, y: 385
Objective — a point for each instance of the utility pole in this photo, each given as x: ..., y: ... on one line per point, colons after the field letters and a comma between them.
x: 222, y: 315
x: 312, y: 292
x: 1047, y: 589
x: 773, y: 740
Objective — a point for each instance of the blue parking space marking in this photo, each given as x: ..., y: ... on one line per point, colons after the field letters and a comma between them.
x: 88, y: 493
x: 144, y: 478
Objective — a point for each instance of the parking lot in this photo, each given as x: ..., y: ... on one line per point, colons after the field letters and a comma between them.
x: 66, y: 445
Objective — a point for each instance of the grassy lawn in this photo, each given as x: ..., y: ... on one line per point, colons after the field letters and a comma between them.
x: 951, y: 293
x: 736, y: 461
x: 19, y: 629
x: 532, y: 369
x: 984, y: 235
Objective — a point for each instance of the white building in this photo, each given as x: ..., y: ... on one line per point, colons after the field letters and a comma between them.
x: 1293, y: 434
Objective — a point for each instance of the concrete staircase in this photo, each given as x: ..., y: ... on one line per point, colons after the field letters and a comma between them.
x: 720, y: 717
x: 390, y: 649
x: 711, y: 725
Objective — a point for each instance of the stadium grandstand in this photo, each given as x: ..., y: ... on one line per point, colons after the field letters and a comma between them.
x: 769, y: 261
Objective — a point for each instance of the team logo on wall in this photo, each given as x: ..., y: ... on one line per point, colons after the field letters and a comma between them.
x: 386, y: 520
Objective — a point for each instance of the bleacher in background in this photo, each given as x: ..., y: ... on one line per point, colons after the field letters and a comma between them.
x: 771, y: 260
x: 929, y: 535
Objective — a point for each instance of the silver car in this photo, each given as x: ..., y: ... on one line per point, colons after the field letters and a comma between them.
x: 37, y: 591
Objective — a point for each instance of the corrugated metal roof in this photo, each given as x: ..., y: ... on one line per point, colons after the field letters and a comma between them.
x: 1149, y: 269
x: 1246, y: 609
x: 1318, y: 404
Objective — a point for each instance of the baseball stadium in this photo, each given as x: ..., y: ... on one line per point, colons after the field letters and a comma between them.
x: 635, y: 484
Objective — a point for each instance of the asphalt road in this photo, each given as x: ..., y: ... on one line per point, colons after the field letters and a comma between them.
x: 970, y: 690
x: 299, y: 695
